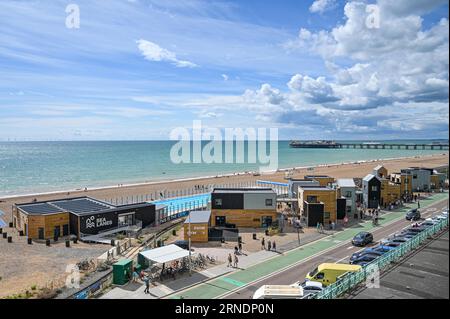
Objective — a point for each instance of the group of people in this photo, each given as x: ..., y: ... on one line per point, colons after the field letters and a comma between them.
x: 233, y: 262
x: 271, y: 245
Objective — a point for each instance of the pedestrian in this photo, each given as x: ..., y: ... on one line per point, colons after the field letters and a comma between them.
x: 147, y: 285
x: 361, y: 214
x: 263, y: 244
x: 230, y: 260
x: 318, y: 227
x: 240, y: 247
x: 269, y: 245
x: 135, y: 276
x: 321, y: 227
x: 274, y: 246
x: 236, y: 260
x: 345, y: 221
x: 418, y: 204
x: 329, y: 224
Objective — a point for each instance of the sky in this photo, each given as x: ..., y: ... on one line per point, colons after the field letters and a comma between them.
x: 137, y: 69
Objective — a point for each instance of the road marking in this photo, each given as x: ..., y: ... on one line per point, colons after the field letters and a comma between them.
x: 341, y: 259
x: 232, y: 281
x: 351, y: 247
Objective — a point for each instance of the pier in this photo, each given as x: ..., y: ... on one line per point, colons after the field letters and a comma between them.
x: 404, y: 146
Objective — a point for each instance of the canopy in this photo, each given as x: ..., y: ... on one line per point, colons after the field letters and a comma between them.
x: 165, y: 254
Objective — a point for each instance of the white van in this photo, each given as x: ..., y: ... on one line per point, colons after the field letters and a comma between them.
x: 279, y: 292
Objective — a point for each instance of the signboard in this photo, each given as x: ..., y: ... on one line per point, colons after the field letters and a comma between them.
x: 93, y: 224
x: 173, y: 216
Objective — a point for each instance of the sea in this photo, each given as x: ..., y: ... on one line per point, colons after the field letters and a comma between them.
x: 38, y: 167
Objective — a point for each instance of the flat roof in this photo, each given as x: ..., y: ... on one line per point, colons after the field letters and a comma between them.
x: 77, y: 205
x: 243, y: 190
x: 316, y: 188
x: 198, y: 217
x: 346, y: 182
x: 317, y: 176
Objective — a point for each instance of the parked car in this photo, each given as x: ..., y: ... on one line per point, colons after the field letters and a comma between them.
x: 398, y: 239
x: 364, y: 258
x: 368, y: 251
x: 311, y: 287
x: 413, y: 214
x: 405, y: 234
x: 389, y: 245
x: 362, y: 239
x: 416, y: 229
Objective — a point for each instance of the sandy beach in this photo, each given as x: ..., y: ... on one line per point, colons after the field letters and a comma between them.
x: 342, y: 170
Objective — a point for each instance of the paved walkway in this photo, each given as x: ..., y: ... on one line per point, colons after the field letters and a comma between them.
x: 224, y: 284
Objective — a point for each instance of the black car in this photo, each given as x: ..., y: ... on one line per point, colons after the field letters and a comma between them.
x: 413, y: 214
x: 367, y: 258
x: 362, y: 239
x: 367, y: 251
x: 416, y: 229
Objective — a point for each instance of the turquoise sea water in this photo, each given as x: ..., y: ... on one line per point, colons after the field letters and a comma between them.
x: 29, y: 167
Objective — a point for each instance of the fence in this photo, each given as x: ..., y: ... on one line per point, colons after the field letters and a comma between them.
x: 351, y: 280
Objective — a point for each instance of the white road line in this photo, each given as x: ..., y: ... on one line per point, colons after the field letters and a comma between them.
x: 341, y: 259
x: 351, y: 247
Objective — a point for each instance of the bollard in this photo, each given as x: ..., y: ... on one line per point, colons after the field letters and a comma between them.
x: 21, y: 233
x: 9, y: 239
x: 254, y: 236
x: 11, y: 225
x: 1, y: 230
x: 29, y: 240
x: 47, y: 242
x: 113, y: 242
x: 239, y: 239
x: 174, y: 232
x: 222, y: 240
x: 67, y: 243
x: 75, y: 240
x: 5, y: 235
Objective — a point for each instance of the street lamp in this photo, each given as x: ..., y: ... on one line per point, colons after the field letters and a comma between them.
x: 189, y: 245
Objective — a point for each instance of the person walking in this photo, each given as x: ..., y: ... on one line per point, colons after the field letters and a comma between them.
x: 274, y: 246
x: 230, y: 260
x: 236, y: 261
x: 318, y: 227
x: 321, y: 227
x: 269, y: 245
x: 418, y: 204
x: 240, y: 247
x: 263, y: 244
x: 147, y: 285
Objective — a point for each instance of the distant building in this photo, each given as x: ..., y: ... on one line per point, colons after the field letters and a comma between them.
x: 346, y: 188
x: 197, y: 223
x: 371, y: 191
x: 324, y: 180
x: 243, y: 207
x: 421, y: 178
x: 404, y: 180
x: 380, y: 171
x: 318, y: 204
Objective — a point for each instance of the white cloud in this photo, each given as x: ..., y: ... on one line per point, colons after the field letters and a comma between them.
x: 320, y: 6
x: 225, y: 77
x: 153, y: 52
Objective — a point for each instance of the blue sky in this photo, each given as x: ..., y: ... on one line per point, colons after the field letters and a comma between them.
x: 137, y: 69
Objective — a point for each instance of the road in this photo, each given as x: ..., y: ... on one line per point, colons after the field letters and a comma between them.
x: 339, y: 254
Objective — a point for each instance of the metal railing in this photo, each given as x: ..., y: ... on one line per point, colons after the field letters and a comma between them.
x: 352, y: 280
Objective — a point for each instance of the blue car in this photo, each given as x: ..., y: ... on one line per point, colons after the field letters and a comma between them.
x: 389, y: 245
x: 369, y: 251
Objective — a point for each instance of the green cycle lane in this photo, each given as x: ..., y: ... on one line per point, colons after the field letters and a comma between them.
x: 225, y: 284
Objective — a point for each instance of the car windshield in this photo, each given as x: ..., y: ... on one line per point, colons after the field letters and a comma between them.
x: 312, y: 273
x: 360, y: 236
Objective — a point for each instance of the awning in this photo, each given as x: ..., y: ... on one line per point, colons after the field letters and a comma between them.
x: 165, y: 254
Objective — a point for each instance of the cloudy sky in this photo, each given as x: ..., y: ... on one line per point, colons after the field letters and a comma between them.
x: 135, y: 69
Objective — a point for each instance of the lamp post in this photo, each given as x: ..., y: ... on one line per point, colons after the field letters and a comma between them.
x: 189, y: 245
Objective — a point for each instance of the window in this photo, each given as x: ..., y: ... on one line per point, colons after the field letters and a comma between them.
x: 218, y: 201
x: 269, y: 202
x: 311, y: 199
x: 320, y: 275
x: 414, y: 176
x: 374, y: 188
x: 348, y: 194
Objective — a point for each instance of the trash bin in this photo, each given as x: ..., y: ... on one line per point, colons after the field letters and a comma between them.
x: 159, y: 243
x: 267, y: 232
x: 11, y: 225
x: 67, y: 243
x: 29, y: 241
x: 75, y: 240
x: 1, y: 230
x: 9, y: 239
x: 113, y: 242
x: 239, y: 239
x: 47, y: 242
x: 222, y: 240
x: 21, y: 233
x: 5, y: 235
x: 174, y: 232
x: 254, y: 236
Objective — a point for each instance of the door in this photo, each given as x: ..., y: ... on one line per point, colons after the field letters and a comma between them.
x: 26, y: 229
x: 220, y: 221
x: 41, y: 233
x: 65, y: 230
x: 266, y: 221
x: 57, y: 232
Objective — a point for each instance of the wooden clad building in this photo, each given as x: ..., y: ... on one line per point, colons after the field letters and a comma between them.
x: 197, y: 223
x: 78, y: 216
x: 318, y: 195
x: 243, y: 207
x: 324, y: 180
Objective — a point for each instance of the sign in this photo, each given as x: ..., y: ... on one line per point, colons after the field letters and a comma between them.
x: 92, y: 222
x: 172, y: 217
